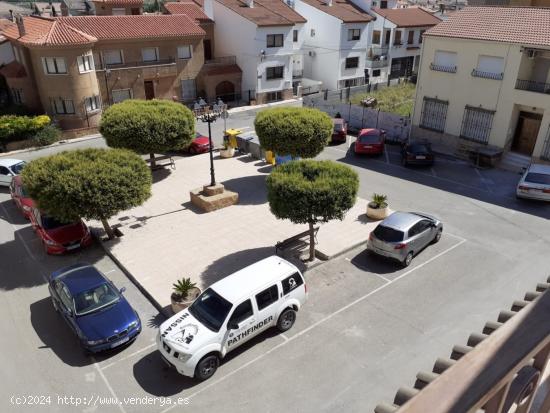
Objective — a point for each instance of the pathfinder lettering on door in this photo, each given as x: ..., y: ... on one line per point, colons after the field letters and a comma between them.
x: 247, y: 332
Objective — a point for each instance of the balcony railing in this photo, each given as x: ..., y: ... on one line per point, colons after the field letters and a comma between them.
x: 297, y: 73
x: 135, y: 65
x: 375, y: 64
x: 222, y: 60
x: 532, y: 86
x: 374, y: 53
x: 487, y: 75
x: 443, y: 68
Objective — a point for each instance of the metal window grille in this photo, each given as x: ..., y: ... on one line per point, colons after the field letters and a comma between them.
x: 476, y: 124
x: 545, y: 154
x: 434, y: 114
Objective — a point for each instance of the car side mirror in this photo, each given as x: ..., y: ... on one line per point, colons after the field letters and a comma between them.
x: 122, y: 290
x: 233, y: 325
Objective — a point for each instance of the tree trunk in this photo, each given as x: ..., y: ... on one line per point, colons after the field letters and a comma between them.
x: 311, y: 242
x: 108, y: 229
x: 153, y: 163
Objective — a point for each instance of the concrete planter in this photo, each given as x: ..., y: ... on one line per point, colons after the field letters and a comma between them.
x: 227, y: 153
x: 374, y: 212
x: 179, y: 304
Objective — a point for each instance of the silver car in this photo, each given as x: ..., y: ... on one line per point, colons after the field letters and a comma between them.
x: 402, y: 235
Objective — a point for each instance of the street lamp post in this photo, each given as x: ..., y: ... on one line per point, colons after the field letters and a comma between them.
x: 208, y: 116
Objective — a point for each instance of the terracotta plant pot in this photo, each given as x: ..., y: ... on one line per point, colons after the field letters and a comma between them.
x: 179, y: 304
x: 227, y: 153
x: 374, y: 212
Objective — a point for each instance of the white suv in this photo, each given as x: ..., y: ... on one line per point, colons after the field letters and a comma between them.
x: 231, y: 312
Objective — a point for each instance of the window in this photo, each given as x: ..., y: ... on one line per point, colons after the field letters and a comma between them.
x: 352, y: 62
x: 119, y: 11
x: 85, y: 63
x: 184, y: 52
x: 150, y: 54
x: 63, y: 106
x: 434, y: 114
x: 420, y: 37
x: 387, y: 38
x: 92, y: 103
x: 241, y: 313
x: 376, y: 34
x: 388, y: 234
x: 188, y: 90
x: 273, y: 96
x: 274, y: 40
x: 444, y: 61
x: 354, y: 34
x: 113, y: 57
x: 4, y: 170
x: 55, y: 65
x: 376, y: 73
x: 292, y: 282
x: 17, y: 96
x: 410, y: 38
x: 312, y: 33
x: 476, y: 124
x: 294, y: 36
x: 491, y: 67
x: 397, y: 38
x: 120, y: 95
x: 383, y: 4
x: 419, y: 227
x: 267, y: 297
x: 275, y: 72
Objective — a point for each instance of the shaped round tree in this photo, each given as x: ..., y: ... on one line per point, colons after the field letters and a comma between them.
x: 299, y: 132
x: 148, y: 126
x: 308, y: 192
x: 89, y: 183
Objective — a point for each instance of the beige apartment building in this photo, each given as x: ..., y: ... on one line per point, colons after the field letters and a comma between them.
x: 485, y: 82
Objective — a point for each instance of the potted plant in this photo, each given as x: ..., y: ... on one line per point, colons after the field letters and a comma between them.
x: 185, y: 292
x: 228, y: 151
x: 378, y: 207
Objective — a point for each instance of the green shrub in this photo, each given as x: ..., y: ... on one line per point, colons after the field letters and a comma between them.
x: 15, y: 128
x: 47, y: 135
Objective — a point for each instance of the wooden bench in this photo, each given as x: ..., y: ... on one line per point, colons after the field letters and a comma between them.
x: 295, y: 240
x: 162, y: 161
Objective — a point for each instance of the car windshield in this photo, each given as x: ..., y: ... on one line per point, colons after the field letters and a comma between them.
x: 338, y: 127
x: 536, y: 178
x: 369, y: 138
x: 388, y: 234
x: 210, y: 309
x: 95, y: 298
x: 18, y: 167
x: 418, y: 149
x: 52, y: 223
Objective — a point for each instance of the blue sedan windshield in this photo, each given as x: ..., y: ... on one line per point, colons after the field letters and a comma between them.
x: 95, y: 298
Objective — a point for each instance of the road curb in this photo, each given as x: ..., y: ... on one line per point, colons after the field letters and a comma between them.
x: 324, y: 258
x: 53, y: 145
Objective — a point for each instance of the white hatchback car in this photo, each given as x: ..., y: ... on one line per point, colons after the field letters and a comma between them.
x: 8, y: 169
x: 231, y: 312
x: 535, y: 183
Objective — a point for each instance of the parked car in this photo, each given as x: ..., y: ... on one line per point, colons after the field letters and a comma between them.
x: 200, y: 144
x: 229, y: 313
x: 59, y: 237
x: 95, y: 310
x: 417, y: 153
x: 20, y: 197
x: 10, y: 168
x: 403, y: 235
x: 370, y: 141
x: 339, y: 131
x: 535, y: 183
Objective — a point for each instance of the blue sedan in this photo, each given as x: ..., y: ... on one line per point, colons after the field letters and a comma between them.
x: 93, y: 308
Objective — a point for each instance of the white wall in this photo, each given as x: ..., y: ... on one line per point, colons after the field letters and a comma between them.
x: 274, y: 56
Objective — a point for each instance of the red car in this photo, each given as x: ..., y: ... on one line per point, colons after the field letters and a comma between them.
x: 58, y: 237
x: 370, y: 141
x: 20, y: 196
x: 200, y: 144
x: 339, y: 131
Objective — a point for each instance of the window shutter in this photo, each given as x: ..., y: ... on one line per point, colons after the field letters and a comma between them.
x: 61, y: 67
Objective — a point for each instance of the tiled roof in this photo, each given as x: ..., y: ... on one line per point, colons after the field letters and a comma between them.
x: 13, y: 70
x: 344, y: 10
x: 191, y: 9
x: 518, y: 25
x: 223, y: 70
x: 409, y: 17
x: 265, y: 12
x: 48, y: 32
x: 121, y: 2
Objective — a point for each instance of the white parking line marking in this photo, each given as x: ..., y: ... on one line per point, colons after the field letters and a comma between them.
x: 128, y: 356
x: 386, y: 154
x: 110, y: 271
x: 108, y: 384
x: 483, y: 180
x: 314, y: 325
x: 283, y: 336
x: 366, y: 269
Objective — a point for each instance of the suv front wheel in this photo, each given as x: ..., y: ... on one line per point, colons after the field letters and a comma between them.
x: 207, y: 367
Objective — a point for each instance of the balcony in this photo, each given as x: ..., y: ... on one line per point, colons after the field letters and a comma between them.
x: 221, y: 61
x: 487, y: 75
x: 376, y: 64
x: 533, y: 86
x: 138, y: 65
x: 443, y: 68
x: 377, y: 57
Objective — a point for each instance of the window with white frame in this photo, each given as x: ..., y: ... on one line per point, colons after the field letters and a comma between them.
x: 150, y: 54
x: 275, y: 40
x: 63, y: 106
x: 119, y: 11
x: 92, y: 103
x: 17, y: 96
x: 491, y: 67
x: 113, y: 57
x: 275, y: 72
x: 55, y: 65
x: 354, y: 34
x: 85, y: 63
x: 120, y: 95
x: 184, y: 52
x: 444, y: 61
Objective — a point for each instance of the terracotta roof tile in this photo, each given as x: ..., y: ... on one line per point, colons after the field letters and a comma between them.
x: 265, y: 12
x: 121, y: 2
x: 518, y: 25
x: 48, y: 32
x: 13, y: 70
x: 191, y: 9
x: 344, y: 10
x: 409, y: 17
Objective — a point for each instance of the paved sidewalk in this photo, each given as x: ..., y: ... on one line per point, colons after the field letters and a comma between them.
x: 168, y: 238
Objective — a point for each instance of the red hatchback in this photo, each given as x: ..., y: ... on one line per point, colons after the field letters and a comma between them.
x: 20, y: 196
x: 370, y: 141
x: 58, y: 237
x: 200, y: 144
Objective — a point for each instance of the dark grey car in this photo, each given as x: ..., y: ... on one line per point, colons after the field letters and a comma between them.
x: 402, y: 235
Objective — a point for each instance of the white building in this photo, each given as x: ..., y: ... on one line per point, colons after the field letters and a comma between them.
x: 266, y: 37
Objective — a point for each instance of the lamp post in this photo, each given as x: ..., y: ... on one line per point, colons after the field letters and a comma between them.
x: 208, y: 116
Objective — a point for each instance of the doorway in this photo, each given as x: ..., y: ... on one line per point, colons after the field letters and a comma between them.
x: 526, y: 133
x: 207, y: 49
x: 149, y: 87
x: 226, y: 91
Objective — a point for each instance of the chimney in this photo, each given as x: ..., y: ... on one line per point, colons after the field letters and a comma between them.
x: 20, y: 25
x: 250, y: 3
x: 12, y: 18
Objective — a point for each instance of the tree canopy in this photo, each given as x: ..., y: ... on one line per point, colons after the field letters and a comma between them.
x: 300, y: 132
x: 309, y: 191
x: 89, y: 183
